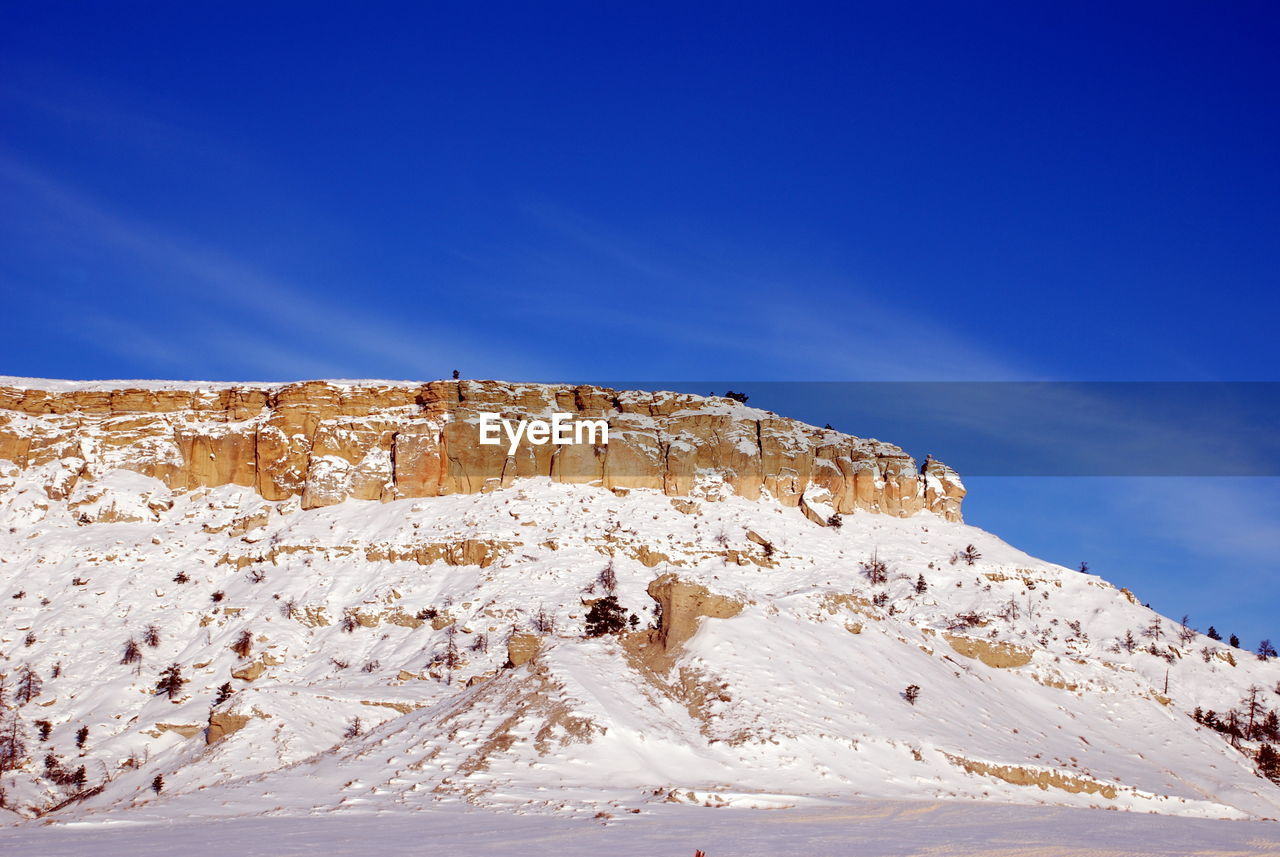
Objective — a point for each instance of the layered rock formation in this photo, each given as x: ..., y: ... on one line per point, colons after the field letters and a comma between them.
x: 326, y: 442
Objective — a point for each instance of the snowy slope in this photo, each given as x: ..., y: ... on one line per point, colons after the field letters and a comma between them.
x: 797, y: 698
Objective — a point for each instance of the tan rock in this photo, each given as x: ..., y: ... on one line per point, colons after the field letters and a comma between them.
x: 993, y: 653
x: 682, y: 604
x: 327, y: 442
x: 522, y: 648
x: 251, y: 672
x: 222, y: 724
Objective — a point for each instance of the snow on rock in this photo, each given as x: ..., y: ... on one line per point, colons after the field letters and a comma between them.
x: 431, y: 651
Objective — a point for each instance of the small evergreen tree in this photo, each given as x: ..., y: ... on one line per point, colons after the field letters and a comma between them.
x: 132, y: 653
x: 740, y: 398
x: 1266, y: 651
x: 1235, y: 641
x: 28, y: 687
x: 151, y: 636
x: 243, y: 645
x: 876, y: 569
x: 1268, y: 761
x: 181, y: 577
x: 1270, y: 729
x: 608, y: 579
x: 44, y: 729
x: 970, y: 555
x: 1213, y: 634
x: 171, y: 681
x: 835, y: 521
x: 157, y: 784
x: 606, y: 616
x: 82, y: 737
x: 1084, y: 568
x: 224, y: 693
x: 354, y: 729
x: 921, y: 586
x: 912, y: 693
x: 13, y: 744
x: 452, y: 660
x: 544, y: 622
x: 1128, y: 643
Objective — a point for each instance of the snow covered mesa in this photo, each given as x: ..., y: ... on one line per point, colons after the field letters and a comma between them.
x: 358, y: 606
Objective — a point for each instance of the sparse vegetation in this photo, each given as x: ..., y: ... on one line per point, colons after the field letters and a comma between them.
x: 13, y: 745
x: 157, y: 784
x: 28, y: 685
x: 217, y: 597
x: 82, y: 737
x: 243, y: 645
x: 912, y: 693
x: 835, y: 521
x: 543, y: 622
x: 181, y: 577
x: 876, y: 570
x: 1128, y: 642
x: 224, y: 693
x: 354, y: 729
x: 608, y: 579
x: 171, y: 681
x: 151, y: 636
x: 1268, y: 762
x: 132, y: 652
x: 966, y: 620
x: 606, y: 616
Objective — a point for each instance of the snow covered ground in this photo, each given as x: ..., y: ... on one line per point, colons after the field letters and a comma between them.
x: 786, y: 713
x: 864, y: 827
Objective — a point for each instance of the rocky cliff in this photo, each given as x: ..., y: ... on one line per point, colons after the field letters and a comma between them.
x: 327, y: 441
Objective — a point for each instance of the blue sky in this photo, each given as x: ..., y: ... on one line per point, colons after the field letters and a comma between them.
x: 769, y: 191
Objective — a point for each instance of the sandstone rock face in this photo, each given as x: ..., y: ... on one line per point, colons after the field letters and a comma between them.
x: 325, y: 442
x: 682, y: 605
x: 222, y: 724
x: 522, y: 648
x: 993, y: 653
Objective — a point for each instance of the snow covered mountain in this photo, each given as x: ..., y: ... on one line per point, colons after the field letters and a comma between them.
x: 359, y: 605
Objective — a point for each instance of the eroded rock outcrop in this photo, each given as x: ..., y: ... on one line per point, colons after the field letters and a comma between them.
x: 681, y: 604
x: 326, y: 442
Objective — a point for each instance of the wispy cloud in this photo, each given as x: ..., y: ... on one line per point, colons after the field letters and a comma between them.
x: 701, y: 295
x: 293, y: 326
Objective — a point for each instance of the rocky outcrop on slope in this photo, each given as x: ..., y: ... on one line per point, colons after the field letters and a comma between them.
x: 326, y: 442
